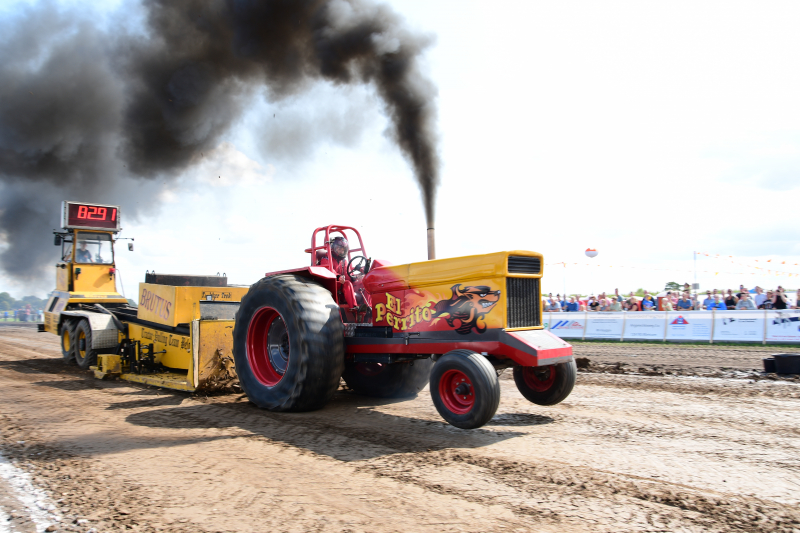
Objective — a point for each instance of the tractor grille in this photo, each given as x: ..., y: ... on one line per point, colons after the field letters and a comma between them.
x: 523, y: 299
x: 524, y: 265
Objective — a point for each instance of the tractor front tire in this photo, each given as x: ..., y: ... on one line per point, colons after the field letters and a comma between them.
x: 288, y: 344
x: 398, y: 380
x: 465, y: 389
x: 82, y: 340
x: 546, y: 385
x: 68, y: 341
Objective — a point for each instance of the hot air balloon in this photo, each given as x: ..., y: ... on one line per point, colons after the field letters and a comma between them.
x: 591, y: 252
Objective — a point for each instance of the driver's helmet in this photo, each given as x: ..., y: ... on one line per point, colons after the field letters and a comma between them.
x: 339, y: 247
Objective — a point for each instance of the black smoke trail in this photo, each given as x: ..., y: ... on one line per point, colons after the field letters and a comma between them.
x: 94, y: 112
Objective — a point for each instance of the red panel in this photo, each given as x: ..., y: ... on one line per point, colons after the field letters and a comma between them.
x: 290, y: 271
x: 377, y: 263
x: 384, y: 280
x: 495, y: 348
x: 543, y: 355
x: 321, y: 272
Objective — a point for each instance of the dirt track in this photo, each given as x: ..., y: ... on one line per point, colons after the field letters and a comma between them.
x: 625, y: 452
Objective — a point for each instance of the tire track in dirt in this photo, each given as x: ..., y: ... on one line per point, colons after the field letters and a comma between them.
x: 568, y: 491
x: 623, y: 453
x: 210, y: 446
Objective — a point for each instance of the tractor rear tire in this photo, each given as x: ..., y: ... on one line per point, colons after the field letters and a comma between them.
x: 67, y: 341
x: 465, y: 389
x: 546, y: 385
x: 288, y: 344
x: 83, y: 335
x: 398, y: 380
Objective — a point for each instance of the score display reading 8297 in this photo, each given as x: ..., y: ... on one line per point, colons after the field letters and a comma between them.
x: 79, y: 215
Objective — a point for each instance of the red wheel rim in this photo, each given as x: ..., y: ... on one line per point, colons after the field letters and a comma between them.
x: 370, y: 369
x: 457, y: 392
x: 539, y: 379
x: 268, y: 346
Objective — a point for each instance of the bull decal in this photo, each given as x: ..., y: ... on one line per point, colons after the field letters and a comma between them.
x: 467, y: 306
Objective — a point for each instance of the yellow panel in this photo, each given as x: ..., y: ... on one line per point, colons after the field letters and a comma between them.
x: 469, y: 307
x: 157, y: 304
x: 51, y: 322
x: 96, y: 297
x: 466, y: 294
x: 93, y: 278
x: 456, y: 269
x: 178, y: 347
x: 170, y: 305
x: 108, y: 367
x: 109, y: 363
x: 452, y: 270
x: 167, y: 380
x: 52, y: 314
x: 63, y: 276
x: 214, y: 361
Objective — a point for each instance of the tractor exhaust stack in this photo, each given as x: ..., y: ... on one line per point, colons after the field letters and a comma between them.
x: 431, y: 244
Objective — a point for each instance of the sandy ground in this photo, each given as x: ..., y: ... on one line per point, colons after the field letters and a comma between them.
x: 665, y: 449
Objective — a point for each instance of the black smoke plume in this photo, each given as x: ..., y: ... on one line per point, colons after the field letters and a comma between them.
x: 95, y: 114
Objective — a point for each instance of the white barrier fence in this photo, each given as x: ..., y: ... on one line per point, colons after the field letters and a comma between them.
x: 711, y: 326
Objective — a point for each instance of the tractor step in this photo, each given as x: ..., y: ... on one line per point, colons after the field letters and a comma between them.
x: 167, y: 380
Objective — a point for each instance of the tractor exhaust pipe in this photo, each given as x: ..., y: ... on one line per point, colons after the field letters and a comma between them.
x: 431, y: 244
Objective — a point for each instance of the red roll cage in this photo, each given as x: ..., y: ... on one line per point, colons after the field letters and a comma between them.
x: 326, y: 244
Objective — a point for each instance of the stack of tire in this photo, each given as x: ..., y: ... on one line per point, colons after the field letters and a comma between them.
x: 782, y: 363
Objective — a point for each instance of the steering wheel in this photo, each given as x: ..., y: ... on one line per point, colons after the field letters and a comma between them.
x: 358, y: 263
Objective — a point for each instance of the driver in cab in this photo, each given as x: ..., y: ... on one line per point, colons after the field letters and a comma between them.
x: 82, y: 255
x: 339, y: 249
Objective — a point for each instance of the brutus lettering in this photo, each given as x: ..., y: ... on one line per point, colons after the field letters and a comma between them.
x: 155, y: 304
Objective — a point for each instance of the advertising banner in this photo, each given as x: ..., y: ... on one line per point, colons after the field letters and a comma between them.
x: 645, y: 325
x: 689, y: 325
x: 567, y: 325
x: 728, y: 326
x: 605, y: 326
x: 783, y: 326
x: 739, y: 326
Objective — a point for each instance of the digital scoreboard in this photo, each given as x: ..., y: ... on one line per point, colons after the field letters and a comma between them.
x: 79, y: 215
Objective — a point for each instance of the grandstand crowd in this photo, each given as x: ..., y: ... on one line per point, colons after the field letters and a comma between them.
x: 743, y: 299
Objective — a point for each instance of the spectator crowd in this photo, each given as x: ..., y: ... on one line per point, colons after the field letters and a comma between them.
x: 25, y: 314
x: 743, y: 299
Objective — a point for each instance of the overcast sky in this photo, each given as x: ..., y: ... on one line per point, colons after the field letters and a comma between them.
x: 646, y: 130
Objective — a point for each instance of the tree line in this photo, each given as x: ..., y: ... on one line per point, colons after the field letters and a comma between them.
x: 9, y: 303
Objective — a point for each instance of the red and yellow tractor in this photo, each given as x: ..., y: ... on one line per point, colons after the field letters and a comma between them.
x: 389, y: 330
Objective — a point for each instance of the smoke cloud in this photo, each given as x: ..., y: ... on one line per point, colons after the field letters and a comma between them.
x: 87, y: 112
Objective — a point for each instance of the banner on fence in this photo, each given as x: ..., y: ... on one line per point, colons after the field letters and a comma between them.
x: 739, y: 326
x: 727, y: 326
x: 645, y: 325
x: 567, y: 325
x: 689, y: 326
x: 604, y: 325
x: 783, y: 326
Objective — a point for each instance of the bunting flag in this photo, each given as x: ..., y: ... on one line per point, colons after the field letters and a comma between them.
x: 761, y: 271
x: 731, y: 259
